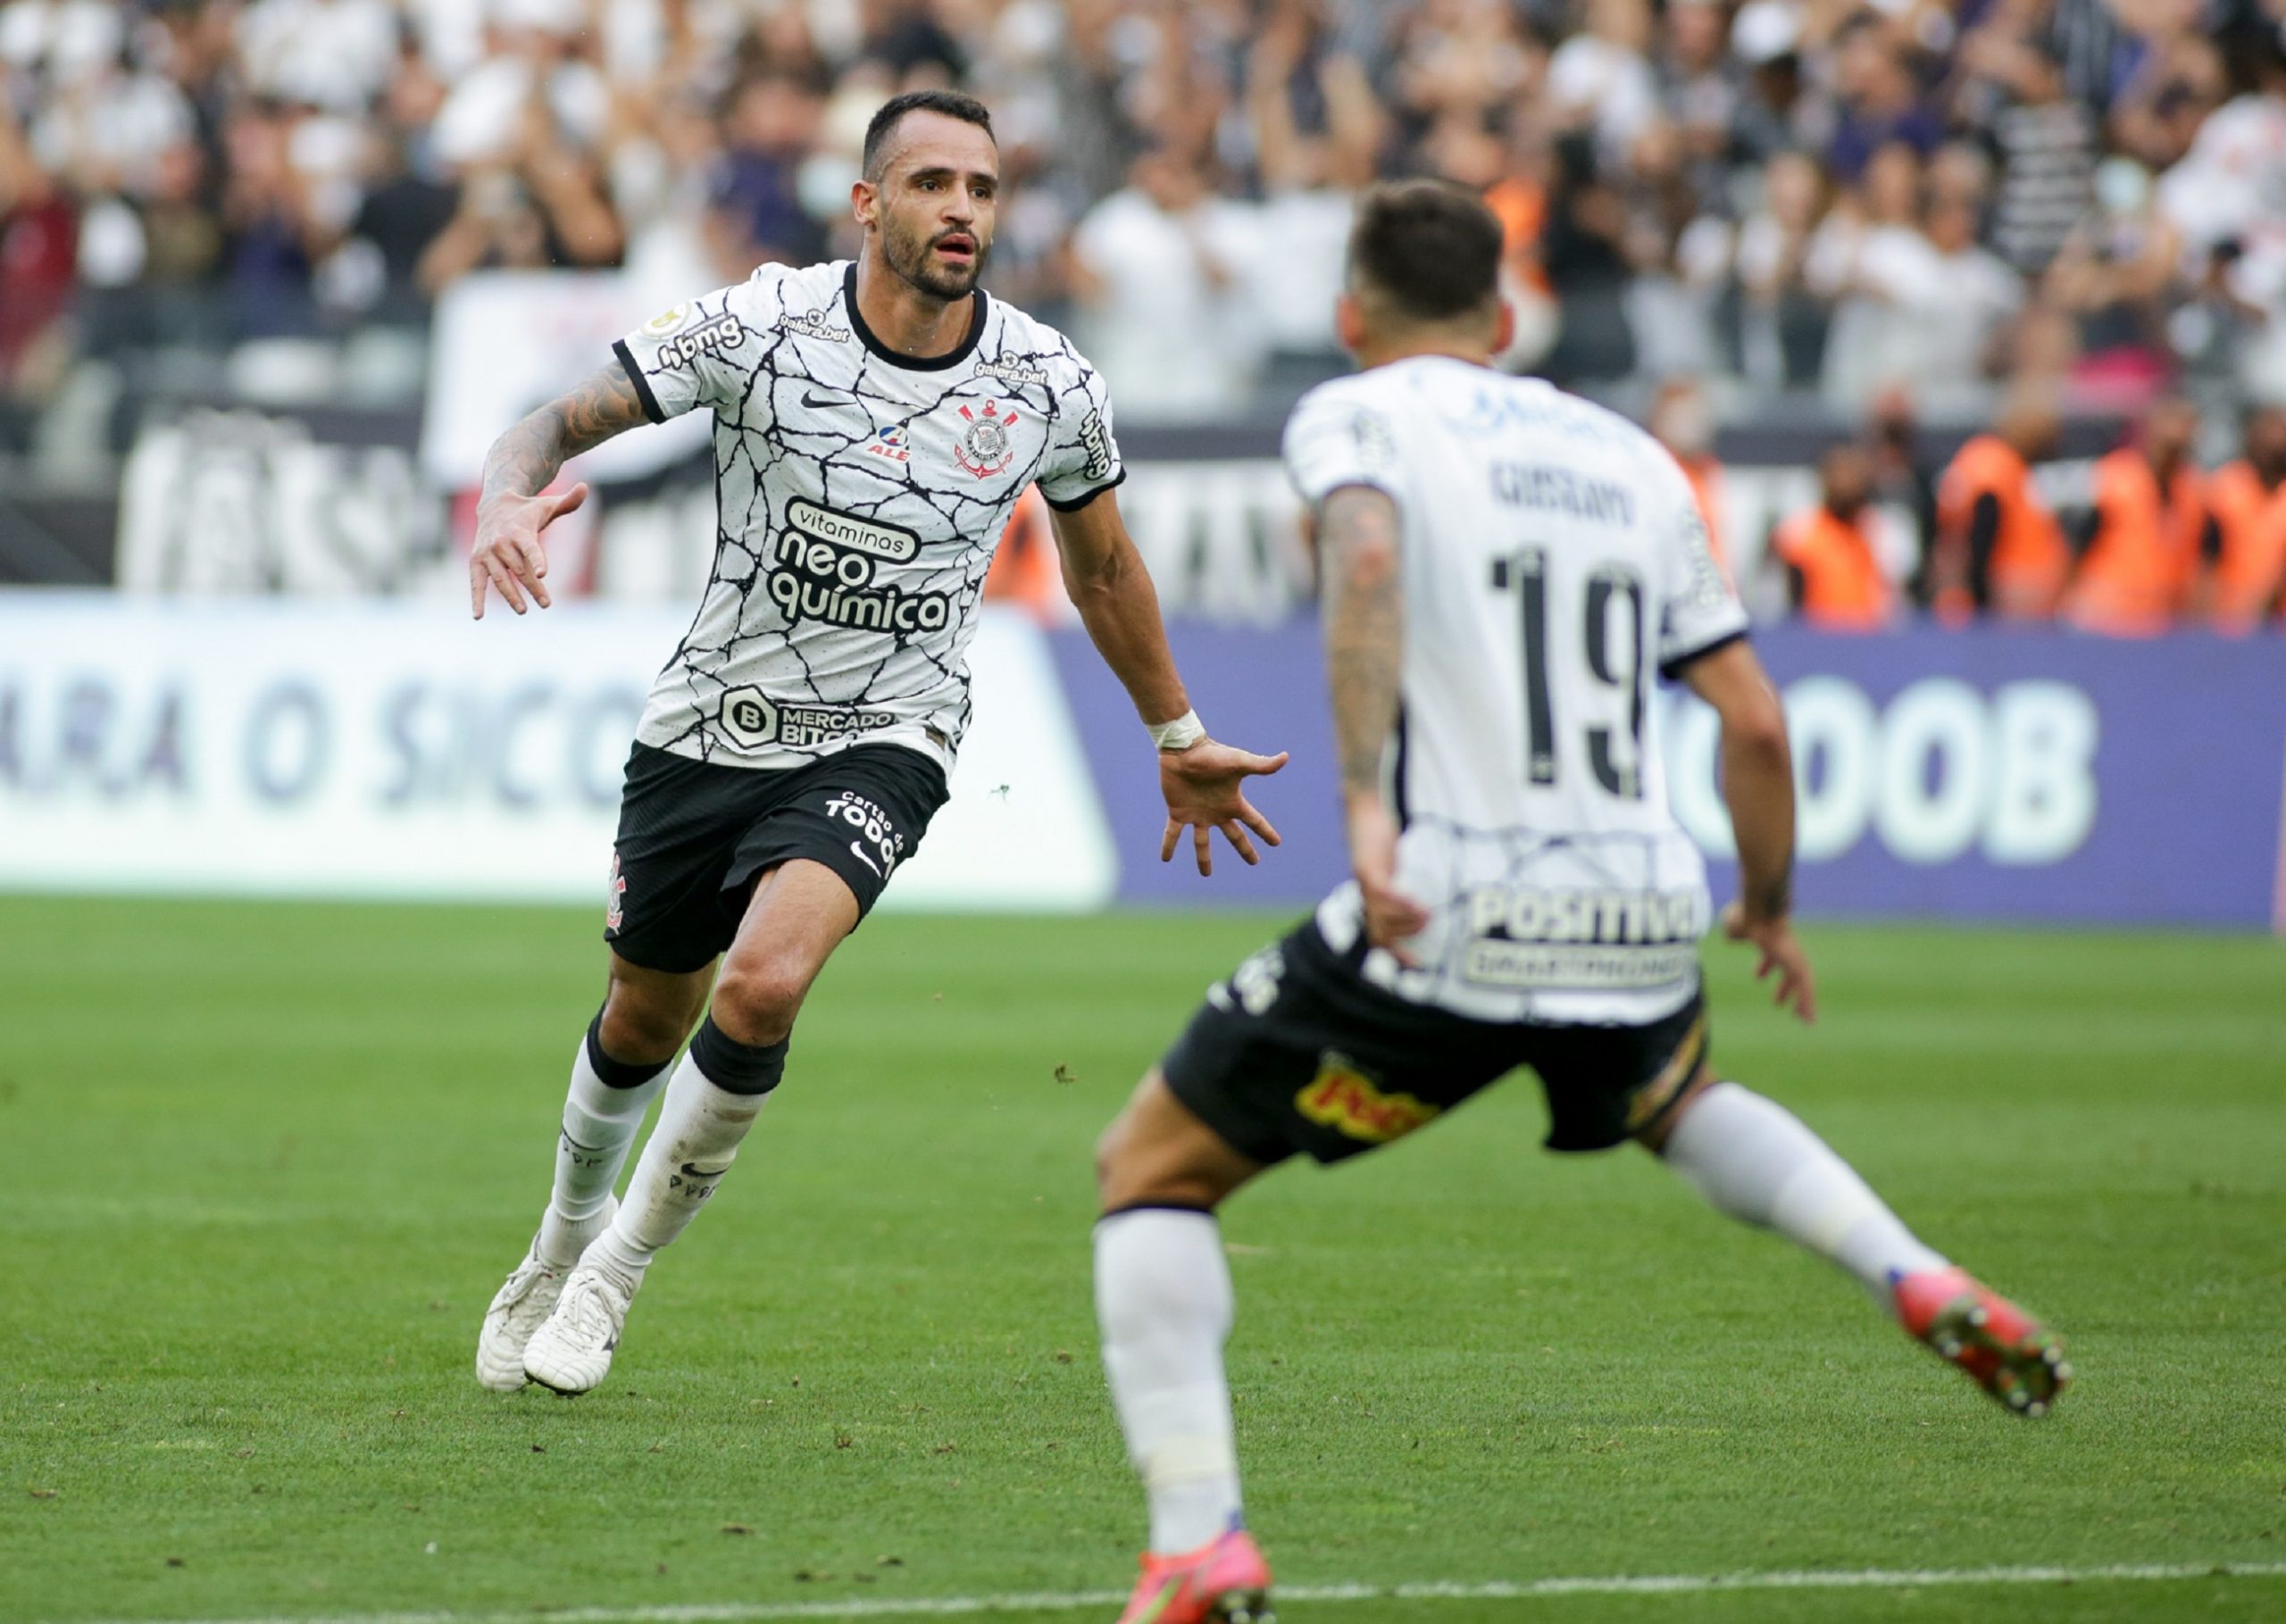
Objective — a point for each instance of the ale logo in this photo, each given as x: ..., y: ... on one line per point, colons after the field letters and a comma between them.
x: 1345, y: 1099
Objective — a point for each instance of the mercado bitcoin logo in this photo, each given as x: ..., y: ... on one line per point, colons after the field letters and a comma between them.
x: 1345, y: 1099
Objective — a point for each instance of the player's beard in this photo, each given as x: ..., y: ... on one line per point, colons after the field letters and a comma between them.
x: 908, y: 254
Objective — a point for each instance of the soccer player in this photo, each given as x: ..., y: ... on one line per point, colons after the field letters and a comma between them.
x: 874, y: 422
x: 1506, y: 572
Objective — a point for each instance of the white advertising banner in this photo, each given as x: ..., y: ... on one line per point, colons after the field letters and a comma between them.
x: 507, y: 341
x: 378, y: 749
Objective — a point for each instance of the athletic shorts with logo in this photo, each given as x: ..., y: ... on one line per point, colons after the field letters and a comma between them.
x: 1299, y: 1052
x: 694, y: 835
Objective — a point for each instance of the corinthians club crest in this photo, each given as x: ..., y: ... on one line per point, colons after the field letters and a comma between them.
x: 986, y: 447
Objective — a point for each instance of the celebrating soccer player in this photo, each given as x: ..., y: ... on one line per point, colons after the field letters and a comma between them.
x: 875, y: 423
x: 1508, y: 570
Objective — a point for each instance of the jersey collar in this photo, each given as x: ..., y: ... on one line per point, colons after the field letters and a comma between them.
x: 912, y: 363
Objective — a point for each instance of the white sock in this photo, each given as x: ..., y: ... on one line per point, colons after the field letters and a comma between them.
x: 1753, y: 1160
x: 1162, y: 1299
x: 697, y: 1139
x: 599, y: 1124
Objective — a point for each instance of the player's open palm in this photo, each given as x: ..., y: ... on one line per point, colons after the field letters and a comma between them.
x: 1206, y: 790
x: 508, y: 554
x: 1773, y: 940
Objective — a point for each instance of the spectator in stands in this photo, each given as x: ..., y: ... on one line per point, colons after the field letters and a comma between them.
x: 1879, y: 101
x: 1834, y: 576
x: 273, y: 233
x: 1583, y: 253
x: 2247, y: 583
x: 1872, y: 260
x: 2228, y: 196
x: 1158, y: 268
x: 2115, y: 274
x: 1998, y: 550
x: 1783, y: 317
x: 756, y: 215
x: 1316, y: 125
x: 408, y: 203
x: 2045, y: 143
x: 1682, y: 419
x: 1775, y: 113
x: 2150, y: 534
x: 1600, y: 78
x: 1904, y: 482
x: 536, y: 204
x: 1699, y: 90
x: 39, y: 243
x: 2157, y: 119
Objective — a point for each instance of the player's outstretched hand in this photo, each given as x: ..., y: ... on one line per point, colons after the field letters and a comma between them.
x: 1392, y: 918
x: 1773, y: 940
x: 1205, y: 787
x: 508, y: 554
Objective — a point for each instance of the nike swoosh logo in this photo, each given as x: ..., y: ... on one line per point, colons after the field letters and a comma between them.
x: 868, y: 861
x: 812, y: 400
x: 689, y: 1171
x: 1160, y: 1603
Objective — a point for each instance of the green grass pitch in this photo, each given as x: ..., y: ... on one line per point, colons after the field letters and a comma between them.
x: 261, y: 1167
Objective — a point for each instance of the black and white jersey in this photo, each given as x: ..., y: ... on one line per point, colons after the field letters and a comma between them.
x: 859, y: 497
x: 1555, y: 563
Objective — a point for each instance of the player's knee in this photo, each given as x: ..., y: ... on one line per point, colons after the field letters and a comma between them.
x: 1111, y: 1149
x: 756, y: 1004
x: 1655, y: 1136
x: 645, y: 1029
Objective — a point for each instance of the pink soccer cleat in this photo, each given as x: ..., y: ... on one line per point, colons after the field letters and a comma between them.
x: 2003, y: 1349
x: 1224, y: 1581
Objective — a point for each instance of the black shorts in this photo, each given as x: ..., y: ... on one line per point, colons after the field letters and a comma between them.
x: 694, y: 835
x: 1298, y: 1052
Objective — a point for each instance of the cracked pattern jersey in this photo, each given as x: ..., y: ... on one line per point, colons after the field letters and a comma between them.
x: 1555, y: 567
x: 859, y: 497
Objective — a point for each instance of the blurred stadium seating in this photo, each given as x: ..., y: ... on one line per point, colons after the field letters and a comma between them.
x: 236, y: 233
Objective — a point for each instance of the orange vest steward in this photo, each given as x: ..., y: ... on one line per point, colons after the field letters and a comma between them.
x: 1843, y: 589
x: 1706, y: 477
x: 1026, y: 569
x: 2252, y: 569
x: 2139, y: 570
x: 2029, y: 558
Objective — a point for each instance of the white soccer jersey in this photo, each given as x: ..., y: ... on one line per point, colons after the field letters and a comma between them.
x: 1554, y: 564
x: 859, y: 497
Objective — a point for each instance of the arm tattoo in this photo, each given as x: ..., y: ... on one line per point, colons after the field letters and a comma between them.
x: 1365, y: 627
x: 523, y: 461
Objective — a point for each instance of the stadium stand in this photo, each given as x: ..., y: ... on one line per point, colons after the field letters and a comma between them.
x: 1834, y: 218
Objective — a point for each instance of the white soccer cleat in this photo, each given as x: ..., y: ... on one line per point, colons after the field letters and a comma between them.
x: 519, y: 1308
x: 572, y: 1351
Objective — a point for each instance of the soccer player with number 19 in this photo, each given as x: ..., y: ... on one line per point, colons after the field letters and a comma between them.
x: 875, y: 423
x: 1506, y: 572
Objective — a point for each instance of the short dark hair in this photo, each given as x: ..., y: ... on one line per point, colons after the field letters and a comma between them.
x: 952, y: 103
x: 1430, y: 248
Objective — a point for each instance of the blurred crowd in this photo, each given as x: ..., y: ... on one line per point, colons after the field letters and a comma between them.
x: 1856, y: 197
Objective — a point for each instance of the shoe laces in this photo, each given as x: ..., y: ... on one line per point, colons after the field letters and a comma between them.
x: 587, y: 1302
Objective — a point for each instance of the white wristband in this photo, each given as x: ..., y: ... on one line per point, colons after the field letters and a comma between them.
x: 1180, y: 733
